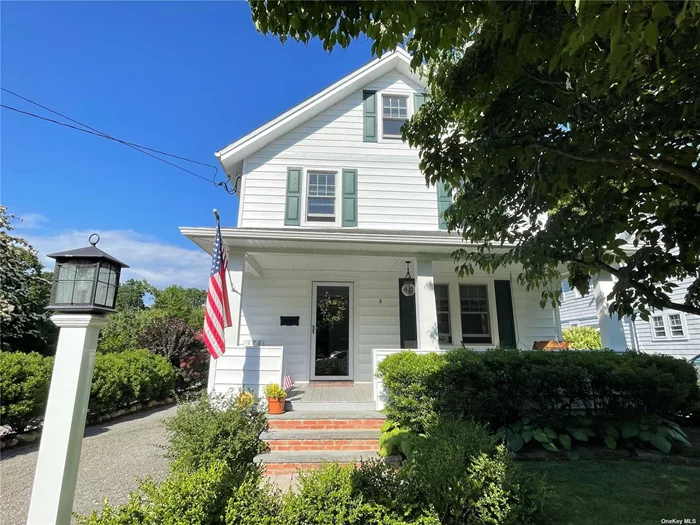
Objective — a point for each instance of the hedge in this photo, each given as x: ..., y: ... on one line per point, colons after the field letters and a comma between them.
x: 501, y: 386
x: 119, y: 380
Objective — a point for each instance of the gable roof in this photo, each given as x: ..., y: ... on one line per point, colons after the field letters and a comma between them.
x: 231, y: 156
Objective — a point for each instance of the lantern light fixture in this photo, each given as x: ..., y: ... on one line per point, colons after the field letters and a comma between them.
x: 408, y: 288
x: 85, y: 280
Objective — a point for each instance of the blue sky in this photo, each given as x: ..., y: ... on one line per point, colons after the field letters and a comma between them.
x: 185, y: 77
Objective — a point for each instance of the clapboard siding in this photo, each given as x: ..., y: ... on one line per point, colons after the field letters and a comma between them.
x: 376, y: 310
x: 582, y: 310
x: 391, y: 191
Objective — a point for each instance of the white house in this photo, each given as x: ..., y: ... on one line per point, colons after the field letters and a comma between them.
x: 666, y: 332
x: 335, y: 222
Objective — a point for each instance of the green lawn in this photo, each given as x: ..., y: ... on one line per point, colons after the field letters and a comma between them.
x: 621, y: 493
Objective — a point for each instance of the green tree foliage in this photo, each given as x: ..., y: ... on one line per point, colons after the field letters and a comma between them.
x: 583, y: 337
x: 131, y: 294
x: 178, y: 301
x: 24, y: 292
x: 585, y: 111
x: 124, y: 329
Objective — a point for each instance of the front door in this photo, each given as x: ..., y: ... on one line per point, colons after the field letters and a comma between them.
x: 331, y: 331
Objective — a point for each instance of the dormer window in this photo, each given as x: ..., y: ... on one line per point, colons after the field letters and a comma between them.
x: 394, y: 114
x: 321, y: 197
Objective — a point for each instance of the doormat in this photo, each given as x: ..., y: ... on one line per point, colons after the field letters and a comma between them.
x: 313, y: 384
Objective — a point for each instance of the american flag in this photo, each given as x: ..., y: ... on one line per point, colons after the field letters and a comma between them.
x: 217, y: 314
x: 287, y: 382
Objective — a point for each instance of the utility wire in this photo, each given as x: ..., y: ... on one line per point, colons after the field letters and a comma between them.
x: 142, y: 149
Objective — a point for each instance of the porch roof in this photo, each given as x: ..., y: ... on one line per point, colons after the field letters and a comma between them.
x: 326, y: 241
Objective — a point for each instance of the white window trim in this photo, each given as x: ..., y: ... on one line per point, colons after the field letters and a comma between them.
x: 667, y: 327
x: 449, y: 311
x: 409, y: 112
x: 455, y: 306
x: 305, y: 198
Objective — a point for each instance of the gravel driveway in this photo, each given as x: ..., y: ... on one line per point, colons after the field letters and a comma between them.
x: 114, y: 455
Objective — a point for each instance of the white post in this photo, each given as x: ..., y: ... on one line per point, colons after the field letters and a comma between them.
x: 426, y: 310
x: 612, y: 332
x: 64, y: 423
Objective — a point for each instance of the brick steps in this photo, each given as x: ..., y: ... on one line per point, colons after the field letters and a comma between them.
x: 302, y: 441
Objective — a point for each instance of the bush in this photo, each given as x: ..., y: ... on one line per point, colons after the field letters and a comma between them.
x: 124, y: 329
x: 500, y: 386
x: 458, y: 470
x: 119, y: 380
x: 24, y: 387
x: 216, y: 429
x: 176, y: 340
x: 330, y: 496
x: 185, y: 498
x: 124, y: 378
x: 583, y: 337
x: 254, y: 503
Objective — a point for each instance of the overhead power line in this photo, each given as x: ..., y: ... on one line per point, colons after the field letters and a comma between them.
x: 142, y: 149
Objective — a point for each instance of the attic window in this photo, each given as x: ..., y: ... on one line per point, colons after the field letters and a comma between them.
x: 394, y: 114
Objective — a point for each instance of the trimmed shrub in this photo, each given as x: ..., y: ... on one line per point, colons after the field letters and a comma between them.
x: 583, y: 337
x: 209, y: 430
x: 119, y: 380
x: 124, y: 378
x: 24, y: 387
x: 502, y: 386
x: 185, y: 498
x: 254, y: 502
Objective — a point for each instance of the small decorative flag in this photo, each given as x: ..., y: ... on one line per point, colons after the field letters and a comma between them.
x: 287, y: 382
x: 217, y: 314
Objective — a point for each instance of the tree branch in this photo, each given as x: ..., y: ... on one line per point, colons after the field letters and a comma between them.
x: 688, y: 175
x: 646, y: 290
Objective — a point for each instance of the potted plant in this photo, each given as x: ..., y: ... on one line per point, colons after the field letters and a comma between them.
x: 275, y: 395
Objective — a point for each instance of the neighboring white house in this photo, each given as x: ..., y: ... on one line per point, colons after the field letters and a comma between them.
x: 335, y: 221
x: 668, y: 332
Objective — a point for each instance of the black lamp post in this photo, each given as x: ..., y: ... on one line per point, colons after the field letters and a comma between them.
x: 85, y: 280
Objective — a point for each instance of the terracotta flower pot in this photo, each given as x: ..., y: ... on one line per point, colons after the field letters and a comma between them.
x: 275, y: 405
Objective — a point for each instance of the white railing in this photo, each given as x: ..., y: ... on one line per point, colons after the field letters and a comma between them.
x: 378, y: 355
x: 246, y: 368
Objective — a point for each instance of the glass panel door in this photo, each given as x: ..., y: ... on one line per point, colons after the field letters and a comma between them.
x: 331, y: 333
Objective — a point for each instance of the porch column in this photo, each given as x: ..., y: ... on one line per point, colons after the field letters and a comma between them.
x: 234, y: 289
x: 611, y: 329
x: 426, y: 310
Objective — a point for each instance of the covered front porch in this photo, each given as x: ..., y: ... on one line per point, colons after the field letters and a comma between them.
x: 318, y: 305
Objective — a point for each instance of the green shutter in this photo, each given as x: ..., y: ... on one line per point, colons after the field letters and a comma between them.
x: 444, y: 201
x: 349, y: 197
x: 369, y: 103
x: 504, y: 313
x: 418, y: 100
x: 293, y: 200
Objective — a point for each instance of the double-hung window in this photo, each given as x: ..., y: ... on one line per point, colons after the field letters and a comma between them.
x: 394, y: 114
x: 668, y: 326
x: 320, y: 200
x: 474, y: 313
x: 442, y: 304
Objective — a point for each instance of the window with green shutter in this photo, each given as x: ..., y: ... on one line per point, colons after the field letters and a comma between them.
x: 418, y: 100
x: 349, y: 197
x: 293, y: 199
x: 444, y: 201
x: 369, y: 104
